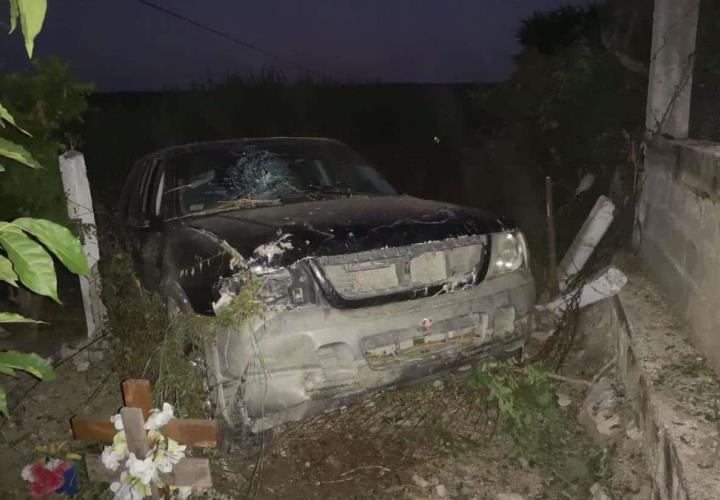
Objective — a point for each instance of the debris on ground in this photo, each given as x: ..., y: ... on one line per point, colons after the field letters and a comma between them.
x: 563, y: 400
x: 598, y: 492
x: 84, y: 354
x: 420, y: 482
x: 600, y: 412
x: 509, y: 496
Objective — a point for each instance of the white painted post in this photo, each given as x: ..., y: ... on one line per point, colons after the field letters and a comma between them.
x: 79, y: 200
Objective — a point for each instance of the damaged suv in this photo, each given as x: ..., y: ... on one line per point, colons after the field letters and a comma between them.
x: 362, y: 288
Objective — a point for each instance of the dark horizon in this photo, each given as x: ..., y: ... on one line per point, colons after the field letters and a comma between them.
x: 128, y: 46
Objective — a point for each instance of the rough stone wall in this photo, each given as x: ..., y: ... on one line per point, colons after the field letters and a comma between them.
x: 679, y: 217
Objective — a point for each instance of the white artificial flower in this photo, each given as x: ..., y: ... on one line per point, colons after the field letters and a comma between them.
x: 52, y: 463
x: 156, y: 438
x: 159, y: 418
x: 26, y: 473
x: 145, y: 469
x: 119, y: 445
x: 169, y: 455
x: 175, y: 451
x: 111, y: 459
x: 113, y: 455
x: 117, y: 422
x: 125, y: 489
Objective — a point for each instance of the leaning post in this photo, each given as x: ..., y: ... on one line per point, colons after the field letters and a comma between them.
x: 80, y: 208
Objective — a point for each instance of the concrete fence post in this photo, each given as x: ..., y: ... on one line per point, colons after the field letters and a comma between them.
x: 671, y: 67
x: 80, y: 208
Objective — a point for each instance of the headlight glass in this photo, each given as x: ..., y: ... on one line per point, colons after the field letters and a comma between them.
x: 508, y: 252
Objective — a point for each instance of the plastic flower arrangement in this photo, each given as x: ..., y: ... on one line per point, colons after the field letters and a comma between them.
x: 54, y: 473
x: 140, y: 474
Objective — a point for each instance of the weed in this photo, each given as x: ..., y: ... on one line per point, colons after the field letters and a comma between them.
x: 524, y: 403
x: 163, y: 350
x: 147, y: 344
x: 695, y: 368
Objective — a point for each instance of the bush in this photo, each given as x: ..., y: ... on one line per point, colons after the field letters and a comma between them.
x: 50, y: 103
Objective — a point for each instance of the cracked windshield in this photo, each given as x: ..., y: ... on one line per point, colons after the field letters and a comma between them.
x: 255, y: 174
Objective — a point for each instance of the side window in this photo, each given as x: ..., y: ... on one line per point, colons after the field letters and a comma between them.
x: 168, y: 204
x: 151, y: 195
x: 142, y: 196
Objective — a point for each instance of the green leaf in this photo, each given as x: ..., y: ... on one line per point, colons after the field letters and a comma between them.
x: 6, y: 116
x: 14, y: 13
x: 8, y: 317
x: 32, y: 16
x: 18, y: 153
x: 28, y: 362
x: 59, y: 240
x: 2, y: 169
x: 31, y: 262
x: 6, y: 370
x: 3, y: 402
x: 6, y: 271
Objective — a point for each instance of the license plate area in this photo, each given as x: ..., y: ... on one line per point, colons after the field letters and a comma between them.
x: 412, y: 345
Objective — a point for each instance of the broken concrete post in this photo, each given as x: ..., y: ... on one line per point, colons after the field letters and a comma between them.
x: 606, y: 283
x: 590, y: 234
x: 79, y: 200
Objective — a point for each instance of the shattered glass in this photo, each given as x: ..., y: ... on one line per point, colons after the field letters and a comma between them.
x: 261, y: 174
x: 251, y: 174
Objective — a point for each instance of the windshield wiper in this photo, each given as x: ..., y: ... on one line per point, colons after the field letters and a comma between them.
x: 235, y: 204
x: 346, y: 191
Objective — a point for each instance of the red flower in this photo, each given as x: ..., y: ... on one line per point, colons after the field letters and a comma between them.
x: 46, y: 481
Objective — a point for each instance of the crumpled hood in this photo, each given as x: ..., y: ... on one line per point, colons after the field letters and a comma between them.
x: 339, y: 226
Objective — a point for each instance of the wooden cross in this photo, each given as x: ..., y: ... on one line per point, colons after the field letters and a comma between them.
x: 194, y: 472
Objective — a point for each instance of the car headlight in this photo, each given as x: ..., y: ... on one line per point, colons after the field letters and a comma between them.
x: 508, y: 252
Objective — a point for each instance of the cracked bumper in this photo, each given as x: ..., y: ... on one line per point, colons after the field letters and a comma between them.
x: 292, y: 364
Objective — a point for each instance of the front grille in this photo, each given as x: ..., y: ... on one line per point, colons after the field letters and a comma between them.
x: 395, y: 271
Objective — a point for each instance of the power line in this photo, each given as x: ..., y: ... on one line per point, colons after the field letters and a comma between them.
x: 231, y: 38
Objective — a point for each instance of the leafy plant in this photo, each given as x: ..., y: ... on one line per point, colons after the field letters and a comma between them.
x: 526, y: 404
x: 149, y: 345
x: 28, y: 242
x: 50, y: 103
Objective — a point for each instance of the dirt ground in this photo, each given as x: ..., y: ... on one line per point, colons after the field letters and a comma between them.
x: 427, y: 441
x: 424, y: 442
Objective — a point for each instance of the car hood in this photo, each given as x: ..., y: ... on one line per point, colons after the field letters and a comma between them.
x: 339, y: 226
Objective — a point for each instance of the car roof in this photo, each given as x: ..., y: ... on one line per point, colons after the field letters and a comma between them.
x: 230, y: 143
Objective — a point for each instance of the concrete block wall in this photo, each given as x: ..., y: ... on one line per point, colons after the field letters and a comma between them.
x: 679, y: 215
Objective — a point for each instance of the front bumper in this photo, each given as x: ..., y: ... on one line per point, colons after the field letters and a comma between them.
x: 287, y: 365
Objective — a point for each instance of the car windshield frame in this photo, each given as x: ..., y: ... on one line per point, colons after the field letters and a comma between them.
x: 250, y: 174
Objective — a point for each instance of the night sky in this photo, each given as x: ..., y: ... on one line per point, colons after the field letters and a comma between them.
x: 124, y: 45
